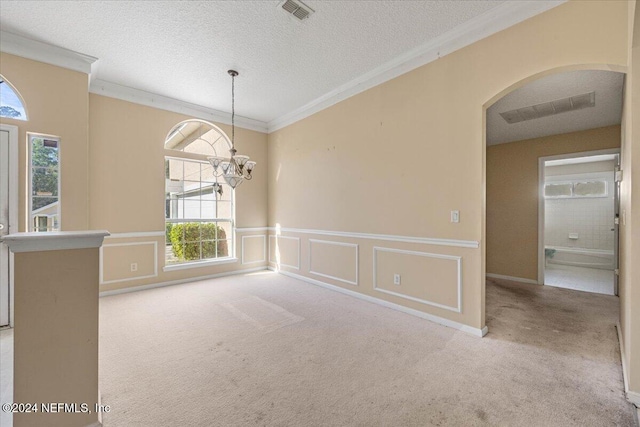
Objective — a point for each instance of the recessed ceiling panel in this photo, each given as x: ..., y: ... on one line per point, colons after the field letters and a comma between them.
x: 545, y: 109
x: 580, y: 100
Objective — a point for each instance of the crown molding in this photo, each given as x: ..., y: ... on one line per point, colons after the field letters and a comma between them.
x: 137, y: 96
x: 495, y: 20
x: 65, y: 58
x: 478, y: 28
x: 47, y: 53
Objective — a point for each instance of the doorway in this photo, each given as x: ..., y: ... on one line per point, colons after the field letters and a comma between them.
x: 563, y: 114
x: 578, y: 230
x: 8, y: 217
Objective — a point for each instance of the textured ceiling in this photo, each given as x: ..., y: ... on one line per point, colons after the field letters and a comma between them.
x: 607, y: 111
x: 182, y: 49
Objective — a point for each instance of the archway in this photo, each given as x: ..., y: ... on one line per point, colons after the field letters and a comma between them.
x: 490, y: 102
x: 516, y: 307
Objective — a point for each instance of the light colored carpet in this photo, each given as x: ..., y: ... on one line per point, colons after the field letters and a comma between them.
x: 6, y: 374
x: 264, y: 349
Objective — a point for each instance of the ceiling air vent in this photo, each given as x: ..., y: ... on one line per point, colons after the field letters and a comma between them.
x: 297, y: 9
x: 545, y: 109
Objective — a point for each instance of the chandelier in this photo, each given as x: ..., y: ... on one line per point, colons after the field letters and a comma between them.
x: 237, y: 168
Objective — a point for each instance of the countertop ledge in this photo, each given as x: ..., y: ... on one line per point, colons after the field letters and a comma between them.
x: 54, y: 240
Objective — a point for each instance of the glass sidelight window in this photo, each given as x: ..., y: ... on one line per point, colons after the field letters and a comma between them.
x: 44, y: 183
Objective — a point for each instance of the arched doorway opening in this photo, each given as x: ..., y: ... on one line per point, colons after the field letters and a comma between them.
x: 552, y: 120
x: 563, y: 119
x: 549, y: 121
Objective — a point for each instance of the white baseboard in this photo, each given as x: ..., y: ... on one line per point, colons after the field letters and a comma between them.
x: 624, y: 365
x: 178, y: 282
x: 632, y: 396
x: 513, y: 279
x: 436, y: 319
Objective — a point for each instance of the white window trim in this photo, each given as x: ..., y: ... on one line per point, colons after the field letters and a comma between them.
x: 196, y: 264
x: 211, y: 261
x: 30, y: 137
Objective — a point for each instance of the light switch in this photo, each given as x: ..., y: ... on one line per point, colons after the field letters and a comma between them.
x: 455, y: 216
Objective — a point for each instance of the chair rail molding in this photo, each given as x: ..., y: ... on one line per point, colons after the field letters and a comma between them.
x: 474, y: 244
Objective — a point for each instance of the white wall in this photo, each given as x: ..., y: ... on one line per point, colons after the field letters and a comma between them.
x: 591, y: 218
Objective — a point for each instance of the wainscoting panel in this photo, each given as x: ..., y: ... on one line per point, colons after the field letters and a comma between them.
x: 284, y: 251
x: 427, y: 278
x: 334, y: 260
x: 254, y: 249
x: 116, y: 261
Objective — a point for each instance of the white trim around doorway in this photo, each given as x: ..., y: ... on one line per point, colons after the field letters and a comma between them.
x: 541, y: 163
x: 13, y: 203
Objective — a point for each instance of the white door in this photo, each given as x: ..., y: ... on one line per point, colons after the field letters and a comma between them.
x: 8, y: 214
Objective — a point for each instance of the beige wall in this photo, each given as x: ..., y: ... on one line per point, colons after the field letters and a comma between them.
x: 57, y: 103
x: 112, y: 169
x: 254, y: 248
x: 56, y: 334
x: 397, y: 158
x: 512, y: 196
x: 127, y: 167
x: 393, y: 160
x: 126, y: 159
x: 630, y: 213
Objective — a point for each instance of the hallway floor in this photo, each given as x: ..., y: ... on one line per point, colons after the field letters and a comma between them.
x: 579, y: 278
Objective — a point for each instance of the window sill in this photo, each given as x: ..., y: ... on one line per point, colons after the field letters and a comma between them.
x: 196, y: 264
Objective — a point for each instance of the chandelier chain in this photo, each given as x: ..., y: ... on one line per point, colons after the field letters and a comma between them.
x: 233, y: 110
x: 237, y: 168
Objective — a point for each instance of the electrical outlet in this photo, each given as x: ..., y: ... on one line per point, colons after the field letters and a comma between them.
x: 134, y: 266
x: 455, y: 216
x: 396, y: 279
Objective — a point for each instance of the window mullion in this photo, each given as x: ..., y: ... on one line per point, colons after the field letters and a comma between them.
x: 193, y: 200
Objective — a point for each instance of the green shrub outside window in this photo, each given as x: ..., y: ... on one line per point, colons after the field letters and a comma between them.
x: 188, y: 239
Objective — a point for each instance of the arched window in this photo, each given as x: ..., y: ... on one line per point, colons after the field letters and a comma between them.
x: 199, y: 208
x: 11, y: 105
